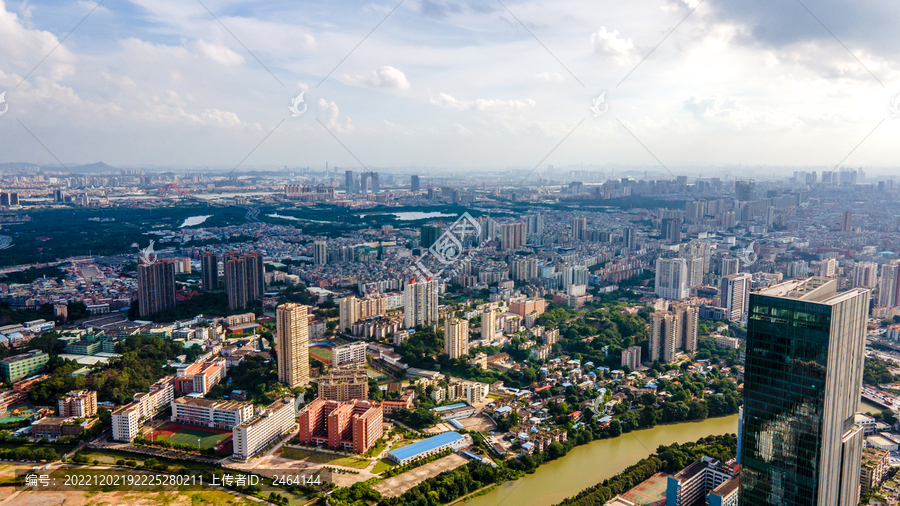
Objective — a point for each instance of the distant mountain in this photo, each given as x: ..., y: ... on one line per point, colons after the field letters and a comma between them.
x: 92, y: 168
x: 10, y: 166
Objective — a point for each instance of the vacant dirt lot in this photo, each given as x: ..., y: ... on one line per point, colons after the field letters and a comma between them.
x: 395, y: 486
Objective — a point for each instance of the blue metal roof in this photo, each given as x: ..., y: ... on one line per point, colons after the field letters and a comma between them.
x: 426, y: 445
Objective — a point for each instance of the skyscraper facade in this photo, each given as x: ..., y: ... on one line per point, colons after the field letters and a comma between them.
x: 734, y: 295
x: 430, y: 234
x: 804, y: 366
x: 672, y: 278
x: 420, y: 303
x: 209, y: 272
x: 244, y: 278
x: 292, y: 340
x: 320, y: 253
x: 865, y: 274
x: 456, y: 337
x: 888, y: 285
x: 488, y: 324
x: 156, y: 287
x: 414, y: 184
x: 579, y: 225
x: 512, y: 236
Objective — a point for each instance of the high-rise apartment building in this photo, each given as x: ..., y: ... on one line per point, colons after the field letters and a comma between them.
x: 156, y: 287
x: 456, y: 337
x: 320, y: 253
x: 672, y: 278
x: 694, y: 271
x: 865, y: 274
x: 889, y: 285
x: 414, y: 184
x: 629, y: 238
x: 292, y: 340
x: 420, y: 305
x: 804, y: 366
x: 730, y: 265
x: 579, y: 226
x: 734, y: 295
x: 847, y: 221
x: 673, y: 330
x: 488, y: 324
x: 512, y: 236
x: 631, y: 357
x: 244, y: 278
x: 209, y: 272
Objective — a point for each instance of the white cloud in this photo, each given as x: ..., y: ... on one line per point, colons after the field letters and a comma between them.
x: 553, y: 77
x: 612, y: 44
x: 331, y: 113
x: 481, y: 104
x: 219, y: 54
x: 385, y: 77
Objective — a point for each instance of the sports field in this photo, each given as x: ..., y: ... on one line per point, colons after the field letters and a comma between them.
x: 321, y: 353
x: 180, y: 434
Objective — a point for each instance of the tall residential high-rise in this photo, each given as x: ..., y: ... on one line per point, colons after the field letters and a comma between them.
x: 847, y: 221
x: 672, y: 278
x: 673, y: 330
x: 730, y: 265
x: 348, y: 313
x: 414, y: 184
x: 889, y: 285
x: 209, y: 272
x: 663, y: 329
x: 348, y: 182
x: 488, y: 324
x: 694, y: 271
x: 292, y: 340
x: 456, y: 337
x: 512, y: 236
x: 804, y: 367
x: 632, y: 357
x: 320, y: 253
x: 734, y: 295
x: 156, y: 287
x: 865, y: 274
x: 420, y: 303
x: 244, y: 278
x: 579, y: 225
x: 629, y: 238
x: 429, y: 235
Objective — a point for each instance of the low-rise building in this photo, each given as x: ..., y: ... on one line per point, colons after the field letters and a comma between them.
x: 210, y: 413
x: 353, y: 353
x: 427, y: 447
x: 23, y: 365
x: 267, y: 426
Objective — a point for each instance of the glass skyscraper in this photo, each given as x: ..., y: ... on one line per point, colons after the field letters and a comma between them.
x: 803, y: 375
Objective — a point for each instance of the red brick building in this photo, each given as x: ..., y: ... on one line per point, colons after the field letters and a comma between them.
x: 352, y: 426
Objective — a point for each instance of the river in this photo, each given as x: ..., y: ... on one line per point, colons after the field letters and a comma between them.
x: 589, y: 464
x: 594, y: 462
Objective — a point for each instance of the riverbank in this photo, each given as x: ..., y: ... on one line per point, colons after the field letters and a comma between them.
x: 589, y: 464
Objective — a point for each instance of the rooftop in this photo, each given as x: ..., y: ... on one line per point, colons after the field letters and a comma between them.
x: 426, y: 445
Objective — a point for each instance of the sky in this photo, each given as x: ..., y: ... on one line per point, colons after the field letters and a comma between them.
x: 456, y: 85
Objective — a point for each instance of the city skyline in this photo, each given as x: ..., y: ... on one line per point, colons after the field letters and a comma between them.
x: 434, y: 74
